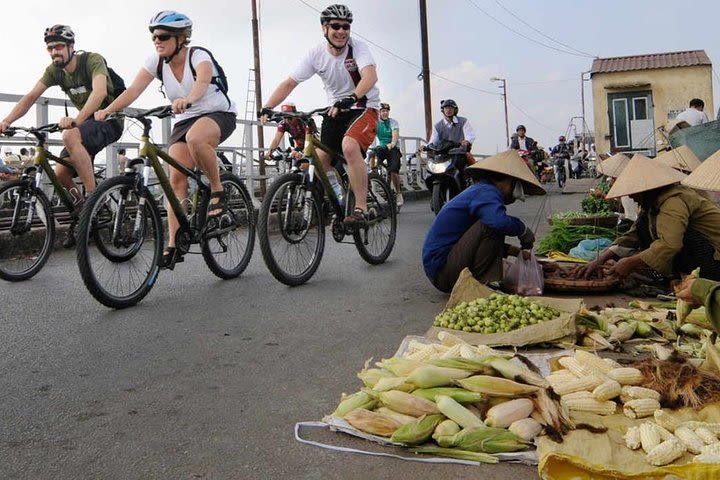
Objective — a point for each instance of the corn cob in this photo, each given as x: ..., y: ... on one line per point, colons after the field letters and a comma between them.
x: 370, y: 376
x: 351, y: 402
x: 497, y: 387
x: 448, y: 339
x: 371, y: 422
x: 446, y: 428
x: 713, y: 427
x: 692, y: 442
x: 428, y: 376
x: 452, y: 352
x: 575, y: 367
x: 527, y: 428
x: 513, y: 371
x: 581, y: 395
x: 626, y: 376
x: 393, y: 383
x: 418, y: 431
x: 587, y: 383
x: 457, y: 453
x: 664, y: 434
x: 667, y: 452
x: 702, y: 458
x: 399, y: 366
x: 592, y: 361
x: 612, y: 363
x: 706, y: 435
x: 488, y: 440
x: 640, y: 408
x: 649, y: 437
x: 457, y: 413
x: 632, y: 438
x: 408, y: 404
x: 561, y: 376
x: 607, y: 390
x: 503, y: 415
x: 460, y: 395
x: 401, y: 418
x: 712, y: 449
x: 589, y: 405
x: 665, y: 420
x: 634, y: 393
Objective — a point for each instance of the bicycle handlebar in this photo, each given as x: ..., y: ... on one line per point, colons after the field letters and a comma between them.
x: 276, y: 116
x: 49, y: 128
x: 158, y: 112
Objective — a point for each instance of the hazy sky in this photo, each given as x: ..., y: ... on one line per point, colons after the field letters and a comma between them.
x: 466, y: 46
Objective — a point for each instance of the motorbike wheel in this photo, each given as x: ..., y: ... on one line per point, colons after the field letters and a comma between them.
x: 561, y: 177
x: 440, y: 194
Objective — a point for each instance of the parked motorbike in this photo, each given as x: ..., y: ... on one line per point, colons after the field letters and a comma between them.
x: 443, y: 177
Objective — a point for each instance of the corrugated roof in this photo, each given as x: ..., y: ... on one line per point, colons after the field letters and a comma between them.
x: 650, y: 61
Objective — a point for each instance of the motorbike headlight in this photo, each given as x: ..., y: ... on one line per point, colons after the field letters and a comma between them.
x: 439, y: 167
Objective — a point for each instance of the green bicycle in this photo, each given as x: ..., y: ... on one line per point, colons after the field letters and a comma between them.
x: 120, y: 232
x: 299, y: 205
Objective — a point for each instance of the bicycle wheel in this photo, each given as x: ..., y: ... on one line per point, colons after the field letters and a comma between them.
x: 118, y: 218
x: 291, y: 230
x: 227, y: 251
x: 27, y: 231
x: 439, y: 197
x: 382, y: 222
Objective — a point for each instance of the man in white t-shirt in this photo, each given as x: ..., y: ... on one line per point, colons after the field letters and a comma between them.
x: 694, y: 115
x: 347, y: 70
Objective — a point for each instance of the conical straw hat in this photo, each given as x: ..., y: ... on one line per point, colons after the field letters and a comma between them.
x: 510, y: 163
x: 613, y: 165
x: 642, y: 174
x: 707, y: 175
x: 681, y: 158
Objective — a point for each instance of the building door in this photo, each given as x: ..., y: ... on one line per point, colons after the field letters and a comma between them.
x: 631, y: 122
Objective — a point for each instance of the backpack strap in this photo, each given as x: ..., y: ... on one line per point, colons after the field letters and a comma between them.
x: 354, y: 74
x: 159, y: 72
x: 215, y: 80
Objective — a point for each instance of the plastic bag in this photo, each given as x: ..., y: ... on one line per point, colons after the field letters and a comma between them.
x: 525, y: 276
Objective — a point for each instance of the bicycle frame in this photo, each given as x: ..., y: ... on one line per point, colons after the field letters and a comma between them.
x: 41, y: 164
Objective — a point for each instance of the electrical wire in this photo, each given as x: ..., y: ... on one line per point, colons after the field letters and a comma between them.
x: 541, y: 33
x: 531, y: 117
x: 565, y: 80
x: 529, y: 38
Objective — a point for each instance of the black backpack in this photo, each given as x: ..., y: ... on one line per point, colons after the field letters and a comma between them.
x: 82, y: 56
x: 220, y: 80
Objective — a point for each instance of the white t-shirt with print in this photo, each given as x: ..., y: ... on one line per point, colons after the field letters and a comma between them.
x: 213, y: 100
x: 334, y: 72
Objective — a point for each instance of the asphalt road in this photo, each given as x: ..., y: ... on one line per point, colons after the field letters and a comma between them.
x: 206, y: 378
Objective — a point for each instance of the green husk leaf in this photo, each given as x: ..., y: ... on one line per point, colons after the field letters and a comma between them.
x: 418, y: 431
x: 456, y: 453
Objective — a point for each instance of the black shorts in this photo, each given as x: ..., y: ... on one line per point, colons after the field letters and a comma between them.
x: 392, y: 156
x: 225, y: 120
x: 334, y: 128
x: 97, y: 135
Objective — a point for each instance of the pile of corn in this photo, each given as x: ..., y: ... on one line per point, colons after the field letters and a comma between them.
x: 462, y: 401
x: 588, y: 383
x: 666, y: 440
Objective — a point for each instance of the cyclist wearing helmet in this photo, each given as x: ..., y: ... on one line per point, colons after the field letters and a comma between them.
x: 388, y: 133
x: 294, y: 128
x: 205, y: 115
x: 347, y: 69
x: 83, y: 137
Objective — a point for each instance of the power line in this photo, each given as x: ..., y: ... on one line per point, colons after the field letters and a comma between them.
x: 545, y: 82
x: 526, y: 37
x: 549, y: 129
x: 541, y: 33
x: 437, y: 75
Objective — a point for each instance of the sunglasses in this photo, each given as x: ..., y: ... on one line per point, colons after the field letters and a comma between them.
x: 338, y: 26
x: 56, y: 47
x: 163, y: 37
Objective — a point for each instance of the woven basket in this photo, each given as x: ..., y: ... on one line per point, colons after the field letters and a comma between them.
x: 559, y: 284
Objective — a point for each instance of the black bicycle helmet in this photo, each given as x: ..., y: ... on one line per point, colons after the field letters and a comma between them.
x: 336, y: 12
x: 385, y: 106
x: 59, y: 33
x: 521, y: 127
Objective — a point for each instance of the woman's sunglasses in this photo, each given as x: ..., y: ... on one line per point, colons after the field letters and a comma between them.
x: 163, y: 37
x: 338, y: 26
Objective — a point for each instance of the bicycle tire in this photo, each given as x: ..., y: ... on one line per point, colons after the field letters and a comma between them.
x: 142, y: 267
x: 289, y: 230
x: 382, y: 225
x: 17, y: 263
x: 241, y: 214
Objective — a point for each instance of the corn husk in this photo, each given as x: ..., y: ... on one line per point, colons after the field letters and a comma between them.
x: 623, y: 332
x: 372, y: 422
x: 428, y: 376
x: 418, y: 431
x: 527, y: 428
x: 457, y: 453
x: 445, y: 429
x: 408, y: 404
x: 394, y: 383
x: 400, y: 367
x: 515, y: 372
x: 494, y: 386
x: 401, y: 418
x: 488, y: 440
x: 682, y: 308
x: 471, y: 365
x: 370, y: 376
x: 503, y: 415
x: 356, y: 400
x: 460, y: 395
x: 457, y: 413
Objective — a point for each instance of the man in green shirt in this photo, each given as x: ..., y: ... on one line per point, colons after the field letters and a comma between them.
x: 82, y: 136
x: 388, y: 133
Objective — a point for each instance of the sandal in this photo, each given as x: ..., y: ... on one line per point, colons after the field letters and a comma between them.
x: 219, y: 207
x: 170, y: 257
x: 358, y: 218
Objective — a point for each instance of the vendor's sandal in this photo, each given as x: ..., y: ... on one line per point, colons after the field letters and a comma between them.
x: 217, y: 217
x: 358, y: 218
x: 170, y: 257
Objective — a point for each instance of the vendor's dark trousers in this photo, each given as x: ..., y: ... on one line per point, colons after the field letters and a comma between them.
x: 479, y: 249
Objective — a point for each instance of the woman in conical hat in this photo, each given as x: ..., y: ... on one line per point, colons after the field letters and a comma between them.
x: 677, y: 230
x: 470, y: 229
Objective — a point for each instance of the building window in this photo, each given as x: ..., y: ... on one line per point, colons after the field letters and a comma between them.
x: 621, y: 133
x: 631, y: 121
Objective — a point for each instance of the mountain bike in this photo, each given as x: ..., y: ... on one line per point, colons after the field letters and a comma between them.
x: 120, y: 233
x: 27, y: 221
x: 299, y: 205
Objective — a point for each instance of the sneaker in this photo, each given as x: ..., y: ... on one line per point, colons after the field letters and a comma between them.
x: 357, y: 218
x: 399, y: 200
x: 69, y: 241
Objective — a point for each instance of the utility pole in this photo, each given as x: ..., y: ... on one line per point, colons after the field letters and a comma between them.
x: 258, y: 91
x: 504, y: 95
x: 582, y: 101
x: 425, y: 69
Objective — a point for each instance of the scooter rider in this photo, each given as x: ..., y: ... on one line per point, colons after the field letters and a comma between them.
x: 453, y: 128
x: 561, y: 153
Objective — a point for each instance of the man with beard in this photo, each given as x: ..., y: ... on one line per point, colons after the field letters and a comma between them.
x: 83, y: 136
x: 677, y: 229
x: 470, y: 229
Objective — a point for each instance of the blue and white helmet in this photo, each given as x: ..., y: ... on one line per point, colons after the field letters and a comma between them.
x: 170, y: 20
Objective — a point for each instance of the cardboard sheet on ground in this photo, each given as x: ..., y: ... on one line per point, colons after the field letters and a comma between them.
x: 603, y: 456
x: 467, y: 289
